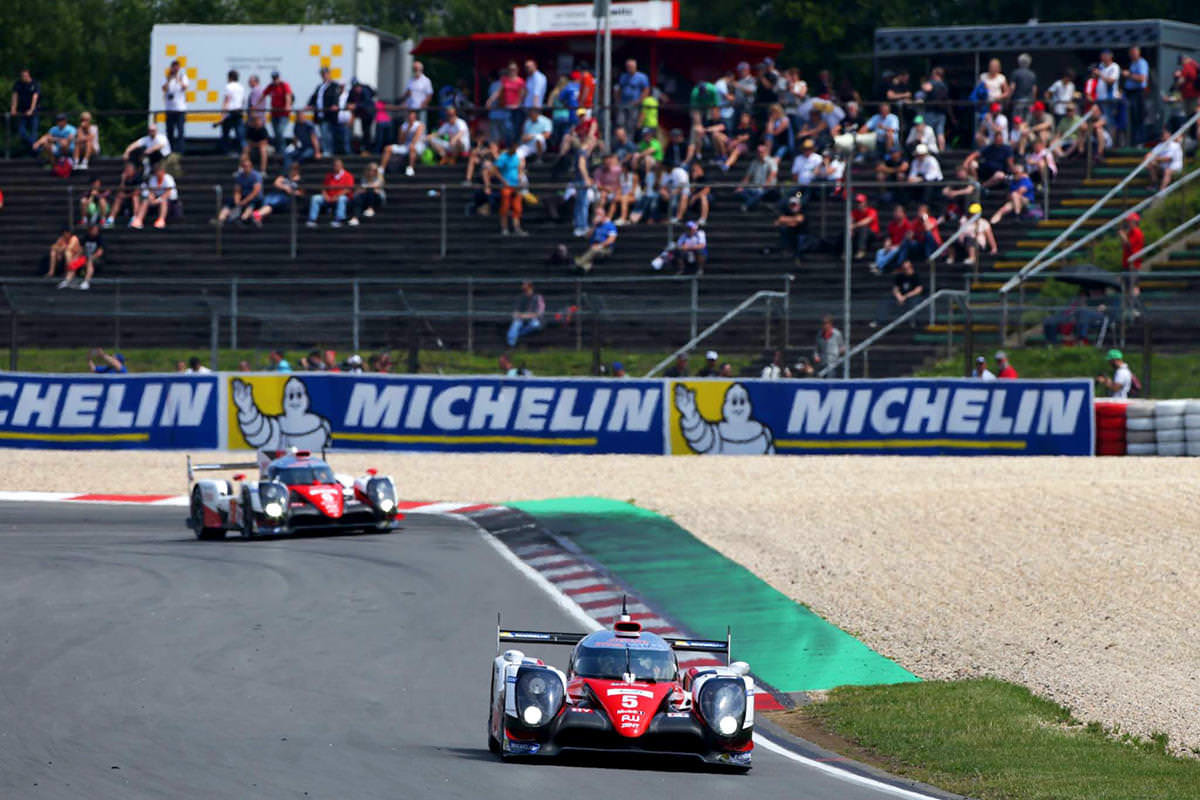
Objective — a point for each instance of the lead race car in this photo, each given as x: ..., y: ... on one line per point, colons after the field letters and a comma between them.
x: 295, y: 491
x: 622, y: 691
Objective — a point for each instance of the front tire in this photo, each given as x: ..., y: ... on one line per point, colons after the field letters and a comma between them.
x: 248, y: 527
x: 197, y: 509
x: 493, y: 742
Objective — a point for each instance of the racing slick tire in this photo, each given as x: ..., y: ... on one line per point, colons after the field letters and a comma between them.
x: 493, y: 742
x: 197, y: 513
x: 248, y: 527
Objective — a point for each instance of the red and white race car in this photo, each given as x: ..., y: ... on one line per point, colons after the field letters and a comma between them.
x: 622, y: 690
x: 296, y: 491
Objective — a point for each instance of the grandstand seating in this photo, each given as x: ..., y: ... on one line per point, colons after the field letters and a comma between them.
x: 403, y: 243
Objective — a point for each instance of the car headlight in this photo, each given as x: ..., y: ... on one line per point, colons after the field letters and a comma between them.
x: 723, y: 705
x: 273, y: 509
x: 274, y: 499
x: 382, y: 494
x: 539, y: 695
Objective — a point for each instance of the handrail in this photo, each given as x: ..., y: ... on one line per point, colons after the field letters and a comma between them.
x: 1117, y: 220
x: 1038, y: 262
x: 956, y: 294
x: 730, y: 314
x: 1180, y: 228
x: 953, y: 238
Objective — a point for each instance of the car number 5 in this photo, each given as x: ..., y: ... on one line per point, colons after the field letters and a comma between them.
x: 629, y: 701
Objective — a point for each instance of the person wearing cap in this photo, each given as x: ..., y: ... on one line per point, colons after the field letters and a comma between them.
x: 924, y: 167
x: 830, y: 343
x: 981, y: 371
x: 1132, y: 242
x: 354, y: 364
x: 102, y: 363
x: 58, y: 141
x: 1005, y: 369
x: 281, y: 99
x: 1022, y: 197
x: 1121, y: 382
x: 805, y: 164
x: 993, y: 122
x: 1165, y: 161
x: 864, y: 226
x: 976, y: 238
x: 618, y: 370
x: 691, y: 249
x: 921, y: 133
x: 711, y: 368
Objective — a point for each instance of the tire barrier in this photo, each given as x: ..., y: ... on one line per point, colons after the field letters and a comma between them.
x: 1148, y: 428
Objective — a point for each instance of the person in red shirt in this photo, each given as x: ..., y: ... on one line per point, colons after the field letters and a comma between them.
x: 587, y: 87
x: 864, y: 223
x: 899, y: 237
x: 925, y: 230
x: 1132, y: 242
x: 280, y: 95
x: 1187, y: 81
x: 1004, y: 370
x: 339, y: 184
x: 511, y: 97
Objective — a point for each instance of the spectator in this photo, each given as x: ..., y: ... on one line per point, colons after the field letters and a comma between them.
x: 508, y: 370
x: 793, y: 229
x: 338, y: 188
x: 580, y: 184
x: 832, y: 169
x: 1137, y: 78
x: 535, y: 135
x: 345, y: 122
x: 282, y: 100
x: 1187, y: 83
x: 600, y: 242
x: 102, y: 363
x: 1100, y: 136
x: 977, y: 236
x: 936, y: 96
x: 1121, y: 382
x: 981, y: 371
x: 898, y: 90
x: 992, y: 164
x: 775, y: 369
x: 906, y: 293
x: 128, y: 186
x: 1108, y: 90
x: 726, y: 370
x: 817, y: 126
x: 527, y: 314
x: 87, y: 141
x: 535, y: 86
x: 360, y: 101
x: 1166, y: 161
x: 632, y: 88
x: 353, y: 364
x: 25, y: 96
x: 277, y: 363
x: 806, y: 164
x: 675, y: 191
x: 326, y: 105
x: 992, y: 123
x: 1060, y: 144
x: 884, y: 126
x: 284, y: 191
x: 371, y: 194
x: 680, y: 368
x: 419, y: 90
x: 587, y: 86
x: 742, y: 141
x: 160, y: 195
x: 622, y: 147
x: 864, y: 226
x: 1038, y: 128
x: 759, y: 181
x: 1062, y: 93
x: 257, y: 140
x: 150, y: 150
x: 691, y: 250
x: 924, y: 167
x: 510, y: 169
x: 452, y: 139
x: 899, y: 237
x: 830, y: 345
x: 1024, y: 86
x: 998, y: 87
x: 648, y: 115
x: 1022, y: 197
x: 247, y: 194
x: 196, y: 367
x: 410, y: 144
x: 94, y: 206
x: 710, y: 368
x: 926, y: 236
x: 67, y: 250
x: 385, y: 131
x: 1041, y: 164
x: 233, y: 100
x: 510, y: 96
x: 306, y: 142
x: 1004, y: 370
x: 256, y: 100
x: 1132, y: 242
x: 58, y: 142
x: 921, y: 133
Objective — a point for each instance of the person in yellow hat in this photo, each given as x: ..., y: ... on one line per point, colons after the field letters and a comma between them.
x: 976, y: 236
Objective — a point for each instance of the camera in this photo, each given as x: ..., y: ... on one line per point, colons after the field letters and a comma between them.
x: 170, y: 96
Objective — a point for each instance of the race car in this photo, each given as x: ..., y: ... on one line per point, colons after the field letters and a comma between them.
x: 296, y: 491
x: 622, y: 691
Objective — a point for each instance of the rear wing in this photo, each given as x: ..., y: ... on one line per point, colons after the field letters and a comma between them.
x: 225, y: 466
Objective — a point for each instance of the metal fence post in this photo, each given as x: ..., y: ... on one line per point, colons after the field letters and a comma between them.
x: 295, y: 223
x: 357, y: 312
x: 787, y: 311
x: 12, y: 338
x: 214, y: 333
x: 579, y: 315
x: 117, y: 316
x: 70, y: 206
x: 233, y: 314
x: 695, y: 306
x: 470, y: 314
x: 1021, y: 313
x: 7, y: 134
x: 217, y: 216
x: 444, y: 220
x: 847, y: 245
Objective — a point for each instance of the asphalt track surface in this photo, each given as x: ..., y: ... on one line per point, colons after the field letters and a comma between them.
x: 138, y: 662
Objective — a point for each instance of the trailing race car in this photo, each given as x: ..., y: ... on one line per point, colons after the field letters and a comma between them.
x: 622, y: 690
x: 295, y: 491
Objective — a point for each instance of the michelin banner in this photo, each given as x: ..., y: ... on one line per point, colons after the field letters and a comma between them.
x: 907, y: 416
x: 157, y: 412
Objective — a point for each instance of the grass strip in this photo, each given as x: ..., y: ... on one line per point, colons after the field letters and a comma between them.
x: 992, y: 740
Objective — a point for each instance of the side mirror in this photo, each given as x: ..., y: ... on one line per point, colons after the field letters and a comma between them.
x: 241, y: 476
x: 372, y: 471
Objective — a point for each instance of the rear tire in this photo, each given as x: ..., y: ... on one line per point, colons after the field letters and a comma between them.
x: 493, y: 742
x: 197, y: 509
x: 248, y: 527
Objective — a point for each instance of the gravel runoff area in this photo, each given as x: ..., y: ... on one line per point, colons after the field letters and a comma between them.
x: 1075, y: 577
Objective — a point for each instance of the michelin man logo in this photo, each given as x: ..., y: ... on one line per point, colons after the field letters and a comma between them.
x: 296, y: 427
x: 736, y: 432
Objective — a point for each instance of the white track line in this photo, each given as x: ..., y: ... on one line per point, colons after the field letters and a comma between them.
x: 841, y: 774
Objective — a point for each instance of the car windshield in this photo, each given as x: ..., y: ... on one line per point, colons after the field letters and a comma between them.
x: 294, y: 476
x: 610, y: 662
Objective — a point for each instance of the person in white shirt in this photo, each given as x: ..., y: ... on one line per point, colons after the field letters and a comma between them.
x: 805, y: 164
x: 410, y: 143
x: 920, y: 133
x: 174, y: 91
x: 981, y: 370
x: 150, y: 149
x: 195, y: 367
x: 1166, y: 161
x: 453, y: 137
x: 534, y: 134
x: 1121, y: 382
x: 233, y: 103
x: 1108, y: 90
x: 159, y: 194
x: 924, y: 166
x: 535, y: 85
x: 419, y: 91
x: 1062, y: 93
x: 675, y: 188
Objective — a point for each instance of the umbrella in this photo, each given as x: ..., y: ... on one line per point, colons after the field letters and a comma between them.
x: 1089, y: 276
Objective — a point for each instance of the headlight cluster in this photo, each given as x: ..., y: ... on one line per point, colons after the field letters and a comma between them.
x: 539, y: 695
x: 723, y: 704
x: 274, y: 498
x: 382, y: 494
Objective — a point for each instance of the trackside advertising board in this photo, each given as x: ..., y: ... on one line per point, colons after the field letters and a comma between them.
x: 154, y: 412
x: 316, y: 411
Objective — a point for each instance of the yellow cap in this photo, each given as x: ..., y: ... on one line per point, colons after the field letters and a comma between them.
x: 974, y: 209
